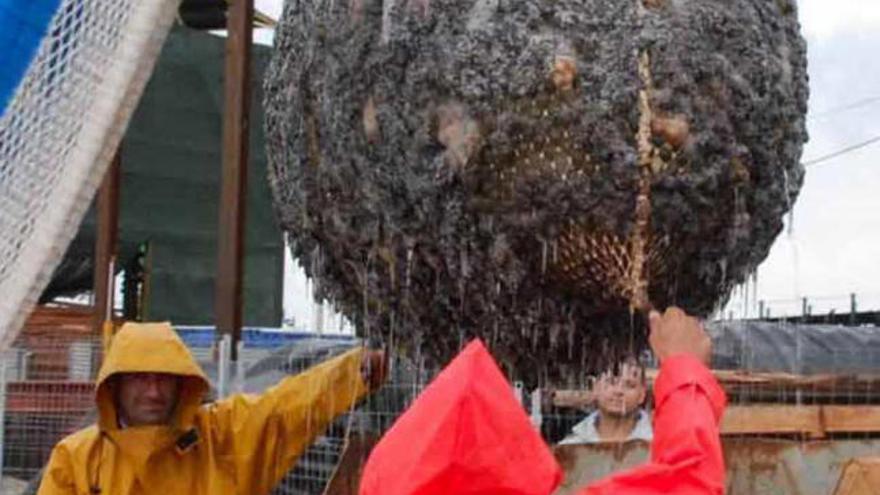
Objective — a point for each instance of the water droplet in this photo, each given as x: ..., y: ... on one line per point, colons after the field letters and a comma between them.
x: 543, y: 257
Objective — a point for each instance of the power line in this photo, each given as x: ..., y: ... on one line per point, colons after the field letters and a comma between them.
x: 843, y: 108
x: 844, y: 151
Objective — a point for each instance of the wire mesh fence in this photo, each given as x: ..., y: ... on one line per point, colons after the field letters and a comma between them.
x: 787, y: 383
x: 48, y: 395
x: 807, y: 396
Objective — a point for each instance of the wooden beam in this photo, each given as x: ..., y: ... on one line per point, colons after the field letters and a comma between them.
x: 236, y: 127
x: 786, y: 387
x: 774, y: 388
x: 772, y: 419
x: 781, y: 379
x: 574, y: 399
x: 851, y: 419
x: 105, y: 246
x: 811, y: 420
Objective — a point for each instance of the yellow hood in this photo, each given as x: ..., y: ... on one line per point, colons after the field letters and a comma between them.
x: 150, y: 348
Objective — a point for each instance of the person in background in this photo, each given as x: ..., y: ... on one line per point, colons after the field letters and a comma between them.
x: 686, y: 457
x: 620, y: 394
x: 154, y: 435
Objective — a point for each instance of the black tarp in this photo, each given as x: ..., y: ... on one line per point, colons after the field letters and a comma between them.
x: 170, y: 190
x: 794, y: 348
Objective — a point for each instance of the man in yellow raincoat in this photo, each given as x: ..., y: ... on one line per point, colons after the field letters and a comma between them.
x: 154, y: 436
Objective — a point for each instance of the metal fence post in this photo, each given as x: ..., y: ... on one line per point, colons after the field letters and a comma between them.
x: 223, y: 358
x: 536, y: 415
x: 2, y: 412
x: 853, y: 309
x: 238, y: 379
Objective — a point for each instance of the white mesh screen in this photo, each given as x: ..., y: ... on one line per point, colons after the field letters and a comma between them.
x: 60, y: 131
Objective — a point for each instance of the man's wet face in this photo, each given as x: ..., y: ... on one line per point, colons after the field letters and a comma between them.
x: 146, y: 398
x: 621, y: 393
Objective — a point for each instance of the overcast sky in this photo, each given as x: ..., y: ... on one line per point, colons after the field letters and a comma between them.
x: 833, y: 246
x: 831, y: 250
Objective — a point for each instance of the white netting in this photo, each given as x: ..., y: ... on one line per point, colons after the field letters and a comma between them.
x: 60, y: 131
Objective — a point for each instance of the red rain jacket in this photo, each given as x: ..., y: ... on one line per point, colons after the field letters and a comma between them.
x: 467, y: 435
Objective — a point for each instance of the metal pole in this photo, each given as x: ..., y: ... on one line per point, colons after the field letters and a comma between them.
x: 236, y: 126
x: 223, y: 355
x: 536, y: 415
x: 853, y: 309
x: 238, y: 380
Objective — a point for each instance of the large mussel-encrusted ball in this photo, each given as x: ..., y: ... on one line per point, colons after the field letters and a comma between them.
x: 529, y: 171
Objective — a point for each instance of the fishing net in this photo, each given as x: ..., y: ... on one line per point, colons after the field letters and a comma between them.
x: 62, y: 125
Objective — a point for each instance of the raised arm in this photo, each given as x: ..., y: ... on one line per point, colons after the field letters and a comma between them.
x: 266, y: 433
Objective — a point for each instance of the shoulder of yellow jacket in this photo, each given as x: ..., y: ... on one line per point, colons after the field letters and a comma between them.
x: 81, y: 441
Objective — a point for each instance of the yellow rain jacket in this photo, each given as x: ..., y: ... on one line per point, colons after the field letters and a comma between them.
x: 242, y: 445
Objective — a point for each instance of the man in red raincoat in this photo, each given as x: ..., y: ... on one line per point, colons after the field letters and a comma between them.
x: 467, y: 435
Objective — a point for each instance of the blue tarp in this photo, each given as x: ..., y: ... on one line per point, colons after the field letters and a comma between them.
x: 255, y: 338
x: 22, y: 26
